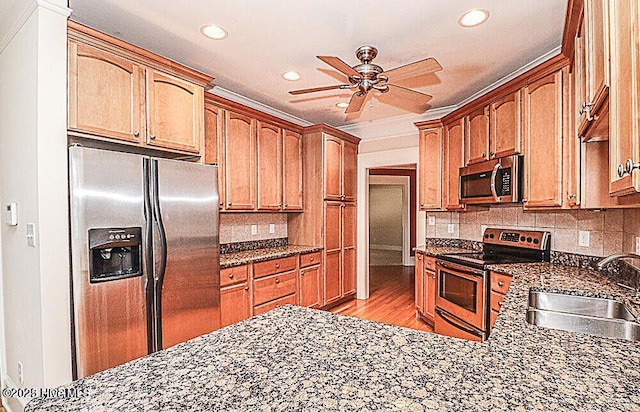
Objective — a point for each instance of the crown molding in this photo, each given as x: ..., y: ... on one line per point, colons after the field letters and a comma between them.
x: 238, y: 98
x: 18, y: 16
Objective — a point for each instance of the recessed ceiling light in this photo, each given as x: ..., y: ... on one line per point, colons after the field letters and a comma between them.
x: 213, y: 31
x: 291, y: 75
x: 342, y: 105
x: 474, y: 17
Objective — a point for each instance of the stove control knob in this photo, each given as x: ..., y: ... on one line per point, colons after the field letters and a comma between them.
x: 529, y: 240
x: 536, y: 241
x: 492, y: 236
x: 486, y: 236
x: 522, y: 238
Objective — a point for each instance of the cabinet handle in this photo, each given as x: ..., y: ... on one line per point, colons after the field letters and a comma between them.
x: 136, y: 133
x: 152, y: 137
x: 620, y: 170
x: 629, y: 167
x: 230, y: 275
x: 277, y: 280
x: 500, y: 283
x: 586, y: 109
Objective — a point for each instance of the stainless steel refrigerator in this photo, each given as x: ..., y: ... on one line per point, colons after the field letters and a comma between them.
x: 144, y: 255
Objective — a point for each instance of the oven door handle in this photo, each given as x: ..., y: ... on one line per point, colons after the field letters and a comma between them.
x: 451, y: 321
x: 494, y: 175
x: 460, y: 268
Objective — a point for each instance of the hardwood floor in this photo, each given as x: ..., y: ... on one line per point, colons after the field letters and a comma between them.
x: 391, y: 298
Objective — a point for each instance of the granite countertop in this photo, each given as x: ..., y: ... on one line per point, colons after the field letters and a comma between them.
x: 228, y: 260
x: 441, y: 250
x: 294, y: 358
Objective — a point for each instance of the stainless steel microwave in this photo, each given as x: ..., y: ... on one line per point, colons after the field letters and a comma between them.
x: 494, y: 181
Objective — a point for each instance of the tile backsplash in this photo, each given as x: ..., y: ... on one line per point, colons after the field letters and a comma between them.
x: 611, y: 231
x: 236, y: 227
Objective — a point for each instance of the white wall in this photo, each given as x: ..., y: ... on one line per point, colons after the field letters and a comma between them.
x: 33, y: 173
x: 385, y: 217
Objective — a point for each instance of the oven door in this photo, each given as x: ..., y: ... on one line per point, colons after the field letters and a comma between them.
x: 461, y: 292
x: 448, y: 325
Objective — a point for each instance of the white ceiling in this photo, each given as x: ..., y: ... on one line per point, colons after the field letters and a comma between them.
x: 267, y: 38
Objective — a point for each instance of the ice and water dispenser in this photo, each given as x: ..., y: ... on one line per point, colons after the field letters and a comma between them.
x: 114, y: 253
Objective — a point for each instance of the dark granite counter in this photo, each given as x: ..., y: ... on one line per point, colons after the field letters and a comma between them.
x: 298, y: 359
x: 259, y: 255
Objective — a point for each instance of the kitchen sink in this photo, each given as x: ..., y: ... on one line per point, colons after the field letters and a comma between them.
x: 594, y: 316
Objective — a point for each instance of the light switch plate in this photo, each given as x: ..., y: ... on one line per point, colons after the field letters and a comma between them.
x: 272, y: 228
x: 254, y: 229
x: 583, y: 238
x: 432, y: 220
x: 31, y: 234
x: 450, y: 228
x: 11, y: 214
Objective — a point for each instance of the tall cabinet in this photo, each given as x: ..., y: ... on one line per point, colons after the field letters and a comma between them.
x: 330, y: 212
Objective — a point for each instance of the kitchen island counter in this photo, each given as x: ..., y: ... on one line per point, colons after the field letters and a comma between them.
x: 294, y: 358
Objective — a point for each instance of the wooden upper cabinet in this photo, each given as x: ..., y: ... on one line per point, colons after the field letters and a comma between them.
x: 332, y: 168
x: 292, y: 171
x: 624, y: 122
x: 596, y: 42
x: 269, y: 143
x: 453, y: 161
x: 506, y: 125
x: 349, y: 171
x: 239, y: 161
x: 175, y: 113
x: 106, y: 94
x: 214, y: 144
x: 543, y: 129
x: 477, y: 130
x: 430, y: 167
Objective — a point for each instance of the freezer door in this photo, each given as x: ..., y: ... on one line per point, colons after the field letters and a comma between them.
x: 109, y: 312
x: 188, y: 282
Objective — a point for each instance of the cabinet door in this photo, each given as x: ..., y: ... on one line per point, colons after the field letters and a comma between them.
x: 624, y: 133
x: 292, y: 171
x: 106, y: 94
x: 419, y: 286
x: 311, y: 287
x: 430, y: 169
x: 333, y: 252
x: 332, y: 168
x: 429, y: 294
x: 454, y: 160
x: 175, y: 113
x: 269, y: 144
x: 477, y: 129
x: 213, y: 142
x: 349, y: 171
x: 596, y: 27
x: 234, y: 304
x: 505, y: 124
x: 239, y: 161
x: 349, y: 235
x: 543, y: 119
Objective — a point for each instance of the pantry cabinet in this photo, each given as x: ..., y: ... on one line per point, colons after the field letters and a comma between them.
x: 430, y: 165
x: 340, y: 158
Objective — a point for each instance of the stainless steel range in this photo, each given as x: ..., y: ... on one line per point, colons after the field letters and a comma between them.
x: 462, y: 291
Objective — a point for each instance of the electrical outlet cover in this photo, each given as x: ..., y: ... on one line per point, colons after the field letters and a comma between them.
x: 584, y: 238
x: 450, y: 228
x: 637, y: 245
x: 254, y: 229
x: 272, y: 228
x: 432, y: 220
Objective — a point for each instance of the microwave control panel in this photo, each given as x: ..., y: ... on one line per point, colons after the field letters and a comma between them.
x: 505, y: 180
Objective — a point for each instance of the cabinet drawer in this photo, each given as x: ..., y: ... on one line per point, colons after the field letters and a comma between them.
x: 274, y: 287
x: 229, y: 276
x: 496, y: 301
x: 500, y: 283
x: 291, y: 299
x: 274, y: 266
x: 494, y: 316
x: 310, y: 259
x: 429, y: 263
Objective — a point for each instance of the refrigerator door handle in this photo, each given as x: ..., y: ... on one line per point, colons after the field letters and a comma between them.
x: 159, y: 275
x: 149, y: 256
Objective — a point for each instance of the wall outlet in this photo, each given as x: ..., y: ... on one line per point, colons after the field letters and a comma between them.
x: 254, y: 229
x: 583, y: 238
x: 432, y: 220
x: 272, y: 228
x: 637, y: 245
x: 20, y: 374
x: 450, y: 228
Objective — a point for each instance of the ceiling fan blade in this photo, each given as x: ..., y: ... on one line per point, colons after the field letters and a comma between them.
x: 356, y: 102
x: 316, y: 89
x: 414, y: 96
x: 339, y: 65
x: 414, y: 69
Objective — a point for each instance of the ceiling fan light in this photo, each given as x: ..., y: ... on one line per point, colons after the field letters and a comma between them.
x: 213, y: 31
x: 473, y: 18
x: 342, y: 105
x: 291, y: 76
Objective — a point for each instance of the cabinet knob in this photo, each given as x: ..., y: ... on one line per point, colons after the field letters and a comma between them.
x: 429, y: 263
x: 492, y: 153
x: 136, y: 133
x: 246, y: 288
x: 280, y: 205
x: 230, y: 275
x: 499, y: 304
x: 152, y: 137
x: 342, y: 197
x: 620, y: 170
x: 221, y: 204
x: 525, y: 200
x: 312, y: 259
x: 277, y: 266
x: 629, y: 167
x: 286, y: 205
x: 572, y: 196
x: 277, y: 280
x: 228, y: 204
x: 484, y: 155
x: 421, y: 204
x: 501, y: 283
x: 301, y: 273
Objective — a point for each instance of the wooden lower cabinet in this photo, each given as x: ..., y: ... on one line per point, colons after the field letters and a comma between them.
x: 425, y: 287
x: 274, y: 287
x: 311, y: 286
x: 234, y: 304
x: 332, y: 262
x: 429, y: 294
x: 266, y: 307
x: 419, y: 286
x: 499, y: 288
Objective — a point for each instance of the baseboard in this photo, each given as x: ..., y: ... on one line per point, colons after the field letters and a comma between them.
x: 9, y: 384
x: 386, y: 247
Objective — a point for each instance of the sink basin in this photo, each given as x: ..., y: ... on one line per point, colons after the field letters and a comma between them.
x: 594, y: 316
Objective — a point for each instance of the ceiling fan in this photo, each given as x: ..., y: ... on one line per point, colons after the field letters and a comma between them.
x: 366, y: 76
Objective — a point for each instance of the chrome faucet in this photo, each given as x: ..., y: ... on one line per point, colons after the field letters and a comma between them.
x: 611, y: 258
